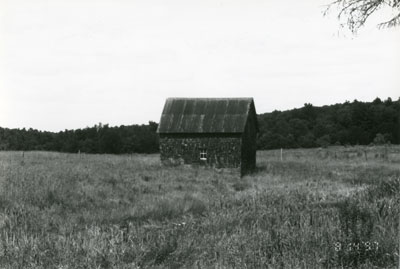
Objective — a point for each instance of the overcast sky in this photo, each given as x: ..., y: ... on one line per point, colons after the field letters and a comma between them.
x: 70, y: 64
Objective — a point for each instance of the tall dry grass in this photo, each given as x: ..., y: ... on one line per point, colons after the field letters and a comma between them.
x: 326, y: 208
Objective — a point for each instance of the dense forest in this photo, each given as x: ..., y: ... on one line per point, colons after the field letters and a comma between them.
x: 361, y: 123
x: 98, y: 139
x: 356, y: 123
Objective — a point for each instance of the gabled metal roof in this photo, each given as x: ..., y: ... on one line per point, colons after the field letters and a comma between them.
x: 205, y: 115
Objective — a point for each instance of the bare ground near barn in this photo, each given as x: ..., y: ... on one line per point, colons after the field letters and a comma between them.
x: 316, y: 208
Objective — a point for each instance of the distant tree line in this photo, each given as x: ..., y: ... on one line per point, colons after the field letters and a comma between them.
x: 98, y: 139
x: 356, y: 123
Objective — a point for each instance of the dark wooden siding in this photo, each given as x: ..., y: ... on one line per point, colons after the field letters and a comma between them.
x: 249, y: 147
x: 223, y: 150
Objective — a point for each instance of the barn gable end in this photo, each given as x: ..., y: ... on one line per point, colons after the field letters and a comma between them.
x: 218, y: 132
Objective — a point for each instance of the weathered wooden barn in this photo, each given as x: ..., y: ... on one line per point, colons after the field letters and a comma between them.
x: 219, y: 132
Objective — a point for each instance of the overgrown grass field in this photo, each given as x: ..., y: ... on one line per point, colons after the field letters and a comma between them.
x: 317, y: 208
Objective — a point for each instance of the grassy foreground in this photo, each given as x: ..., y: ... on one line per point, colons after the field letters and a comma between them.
x: 320, y: 208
